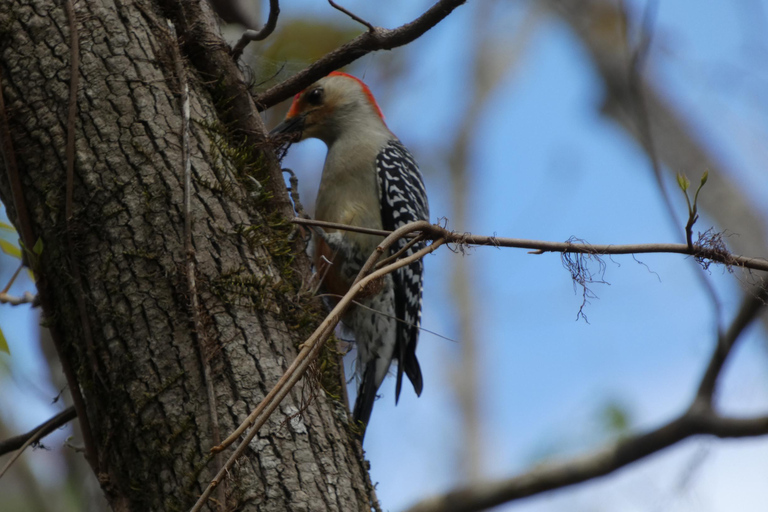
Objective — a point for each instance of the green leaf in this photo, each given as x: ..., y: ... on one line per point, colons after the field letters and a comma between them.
x: 7, y: 227
x: 38, y: 248
x: 10, y: 249
x: 4, y: 344
x: 616, y: 418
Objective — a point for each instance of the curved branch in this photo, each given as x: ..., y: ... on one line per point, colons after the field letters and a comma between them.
x: 558, y: 475
x: 376, y: 38
x: 260, y: 35
x: 751, y: 307
x: 39, y: 432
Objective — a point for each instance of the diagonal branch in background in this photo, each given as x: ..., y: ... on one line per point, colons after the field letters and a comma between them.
x: 22, y: 441
x: 310, y: 349
x: 699, y: 419
x: 548, y: 477
x: 751, y: 307
x: 538, y: 246
x: 16, y: 442
x: 376, y: 38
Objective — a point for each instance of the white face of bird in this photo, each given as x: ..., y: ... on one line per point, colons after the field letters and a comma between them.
x: 322, y: 109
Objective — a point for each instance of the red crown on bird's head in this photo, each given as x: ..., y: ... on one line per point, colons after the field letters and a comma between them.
x: 294, y: 110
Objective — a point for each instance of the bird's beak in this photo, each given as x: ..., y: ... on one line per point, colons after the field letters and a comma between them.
x: 293, y: 125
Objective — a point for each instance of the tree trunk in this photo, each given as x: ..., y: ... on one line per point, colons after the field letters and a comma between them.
x: 112, y: 280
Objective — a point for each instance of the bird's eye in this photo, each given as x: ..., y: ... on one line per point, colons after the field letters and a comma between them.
x: 315, y: 96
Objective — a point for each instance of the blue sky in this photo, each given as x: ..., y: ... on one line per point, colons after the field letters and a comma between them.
x: 546, y: 165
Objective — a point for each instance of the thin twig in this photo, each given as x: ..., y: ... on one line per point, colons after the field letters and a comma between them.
x: 34, y: 435
x: 16, y: 442
x: 91, y: 448
x: 77, y: 278
x: 198, y: 330
x: 343, y: 227
x: 392, y: 317
x: 352, y: 15
x: 413, y: 241
x: 636, y: 87
x: 310, y: 349
x: 258, y: 35
x: 297, y: 206
x: 12, y: 279
x: 372, y: 40
x: 396, y: 235
x: 6, y: 298
x: 564, y: 247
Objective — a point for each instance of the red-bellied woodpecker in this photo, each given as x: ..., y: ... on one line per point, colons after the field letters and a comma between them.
x: 369, y: 180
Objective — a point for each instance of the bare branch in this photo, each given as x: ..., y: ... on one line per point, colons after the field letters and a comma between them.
x: 699, y: 251
x: 413, y: 241
x: 374, y: 39
x: 751, y: 306
x: 358, y: 19
x: 77, y: 279
x: 260, y: 35
x: 310, y: 349
x: 21, y: 441
x: 552, y: 476
x: 294, y: 191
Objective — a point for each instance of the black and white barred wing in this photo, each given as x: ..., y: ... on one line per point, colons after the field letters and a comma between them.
x: 404, y: 200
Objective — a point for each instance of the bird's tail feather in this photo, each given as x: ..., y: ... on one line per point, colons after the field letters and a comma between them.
x: 366, y: 395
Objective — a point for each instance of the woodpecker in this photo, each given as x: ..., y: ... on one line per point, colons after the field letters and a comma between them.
x: 369, y: 180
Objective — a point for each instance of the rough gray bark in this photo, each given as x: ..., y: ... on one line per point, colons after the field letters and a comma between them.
x: 142, y: 378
